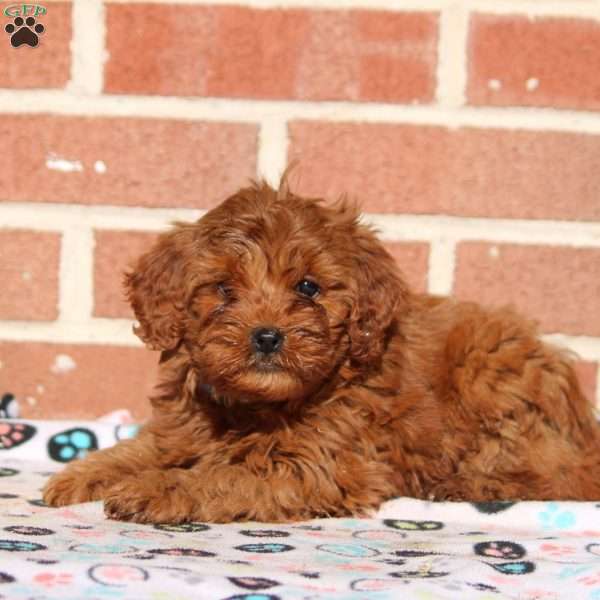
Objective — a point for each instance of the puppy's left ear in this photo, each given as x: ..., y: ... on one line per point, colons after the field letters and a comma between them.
x: 381, y: 294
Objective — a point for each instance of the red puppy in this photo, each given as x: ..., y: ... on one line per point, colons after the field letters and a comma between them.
x: 300, y: 377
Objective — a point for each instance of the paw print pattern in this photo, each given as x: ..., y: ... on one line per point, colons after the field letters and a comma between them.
x: 500, y: 549
x: 264, y: 548
x: 408, y: 525
x: 24, y: 32
x: 180, y: 552
x: 554, y: 518
x: 514, y: 568
x: 15, y: 434
x: 71, y: 444
x: 6, y: 472
x: 52, y: 579
x: 9, y: 407
x: 491, y: 508
x: 182, y: 527
x: 590, y: 579
x: 558, y: 549
x: 20, y: 546
x: 253, y: 583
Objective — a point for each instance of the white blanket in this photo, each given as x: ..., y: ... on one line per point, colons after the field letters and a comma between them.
x: 413, y: 549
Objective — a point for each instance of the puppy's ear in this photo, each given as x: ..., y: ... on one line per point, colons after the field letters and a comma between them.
x: 156, y: 290
x: 380, y: 295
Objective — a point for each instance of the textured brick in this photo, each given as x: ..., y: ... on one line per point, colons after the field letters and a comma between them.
x: 554, y: 62
x: 255, y: 53
x: 60, y: 381
x: 399, y: 56
x: 48, y: 64
x: 434, y: 170
x: 232, y: 51
x: 29, y: 263
x: 413, y: 260
x: 558, y: 286
x: 587, y: 372
x: 114, y: 253
x: 143, y: 162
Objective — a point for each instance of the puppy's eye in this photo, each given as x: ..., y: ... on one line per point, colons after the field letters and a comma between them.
x: 308, y: 288
x: 224, y: 290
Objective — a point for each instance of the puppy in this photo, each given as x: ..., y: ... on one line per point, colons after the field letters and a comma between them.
x: 300, y: 377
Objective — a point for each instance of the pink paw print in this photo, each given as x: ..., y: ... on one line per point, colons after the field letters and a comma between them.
x: 15, y: 434
x: 556, y: 550
x: 590, y: 579
x: 51, y: 579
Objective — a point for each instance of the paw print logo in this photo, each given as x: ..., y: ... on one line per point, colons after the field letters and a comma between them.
x: 24, y: 31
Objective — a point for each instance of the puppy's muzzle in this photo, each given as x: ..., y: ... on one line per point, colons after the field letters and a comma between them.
x: 266, y: 340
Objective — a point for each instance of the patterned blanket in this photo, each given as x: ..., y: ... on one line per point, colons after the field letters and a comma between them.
x: 410, y: 549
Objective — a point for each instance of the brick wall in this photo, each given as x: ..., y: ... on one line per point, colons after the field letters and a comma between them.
x: 468, y: 129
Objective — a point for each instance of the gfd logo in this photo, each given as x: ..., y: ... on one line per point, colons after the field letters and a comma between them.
x: 24, y: 29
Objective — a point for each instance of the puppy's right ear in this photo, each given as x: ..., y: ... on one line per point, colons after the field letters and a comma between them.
x: 156, y: 290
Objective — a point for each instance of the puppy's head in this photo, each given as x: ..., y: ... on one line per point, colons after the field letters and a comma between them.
x: 269, y: 293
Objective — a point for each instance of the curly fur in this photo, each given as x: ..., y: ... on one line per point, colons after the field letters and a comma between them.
x: 377, y: 391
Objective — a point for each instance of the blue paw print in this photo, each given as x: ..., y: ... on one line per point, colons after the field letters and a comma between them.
x: 20, y: 546
x: 349, y: 550
x: 555, y: 518
x: 126, y: 432
x: 71, y: 444
x: 264, y: 548
x: 570, y: 572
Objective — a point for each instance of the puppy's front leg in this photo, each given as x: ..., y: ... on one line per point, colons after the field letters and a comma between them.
x: 235, y: 493
x: 89, y: 479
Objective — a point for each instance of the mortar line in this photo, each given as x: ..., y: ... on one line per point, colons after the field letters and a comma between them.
x: 527, y: 7
x: 397, y: 227
x: 272, y: 149
x: 440, y: 274
x: 452, y: 56
x: 87, y: 47
x: 76, y: 272
x: 61, y: 103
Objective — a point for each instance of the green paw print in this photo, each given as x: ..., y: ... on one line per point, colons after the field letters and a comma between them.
x: 555, y: 518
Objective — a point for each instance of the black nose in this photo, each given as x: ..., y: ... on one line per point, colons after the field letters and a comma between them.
x: 266, y: 340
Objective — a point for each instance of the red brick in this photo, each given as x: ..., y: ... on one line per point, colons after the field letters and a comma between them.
x: 48, y: 64
x: 233, y: 51
x: 373, y: 56
x: 587, y: 372
x: 96, y: 380
x: 561, y: 55
x: 114, y: 253
x: 29, y: 262
x: 255, y: 53
x: 466, y: 172
x: 413, y: 260
x: 399, y: 56
x: 558, y: 286
x: 142, y: 162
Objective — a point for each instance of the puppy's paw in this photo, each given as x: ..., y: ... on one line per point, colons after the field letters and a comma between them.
x: 74, y: 485
x: 150, y: 497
